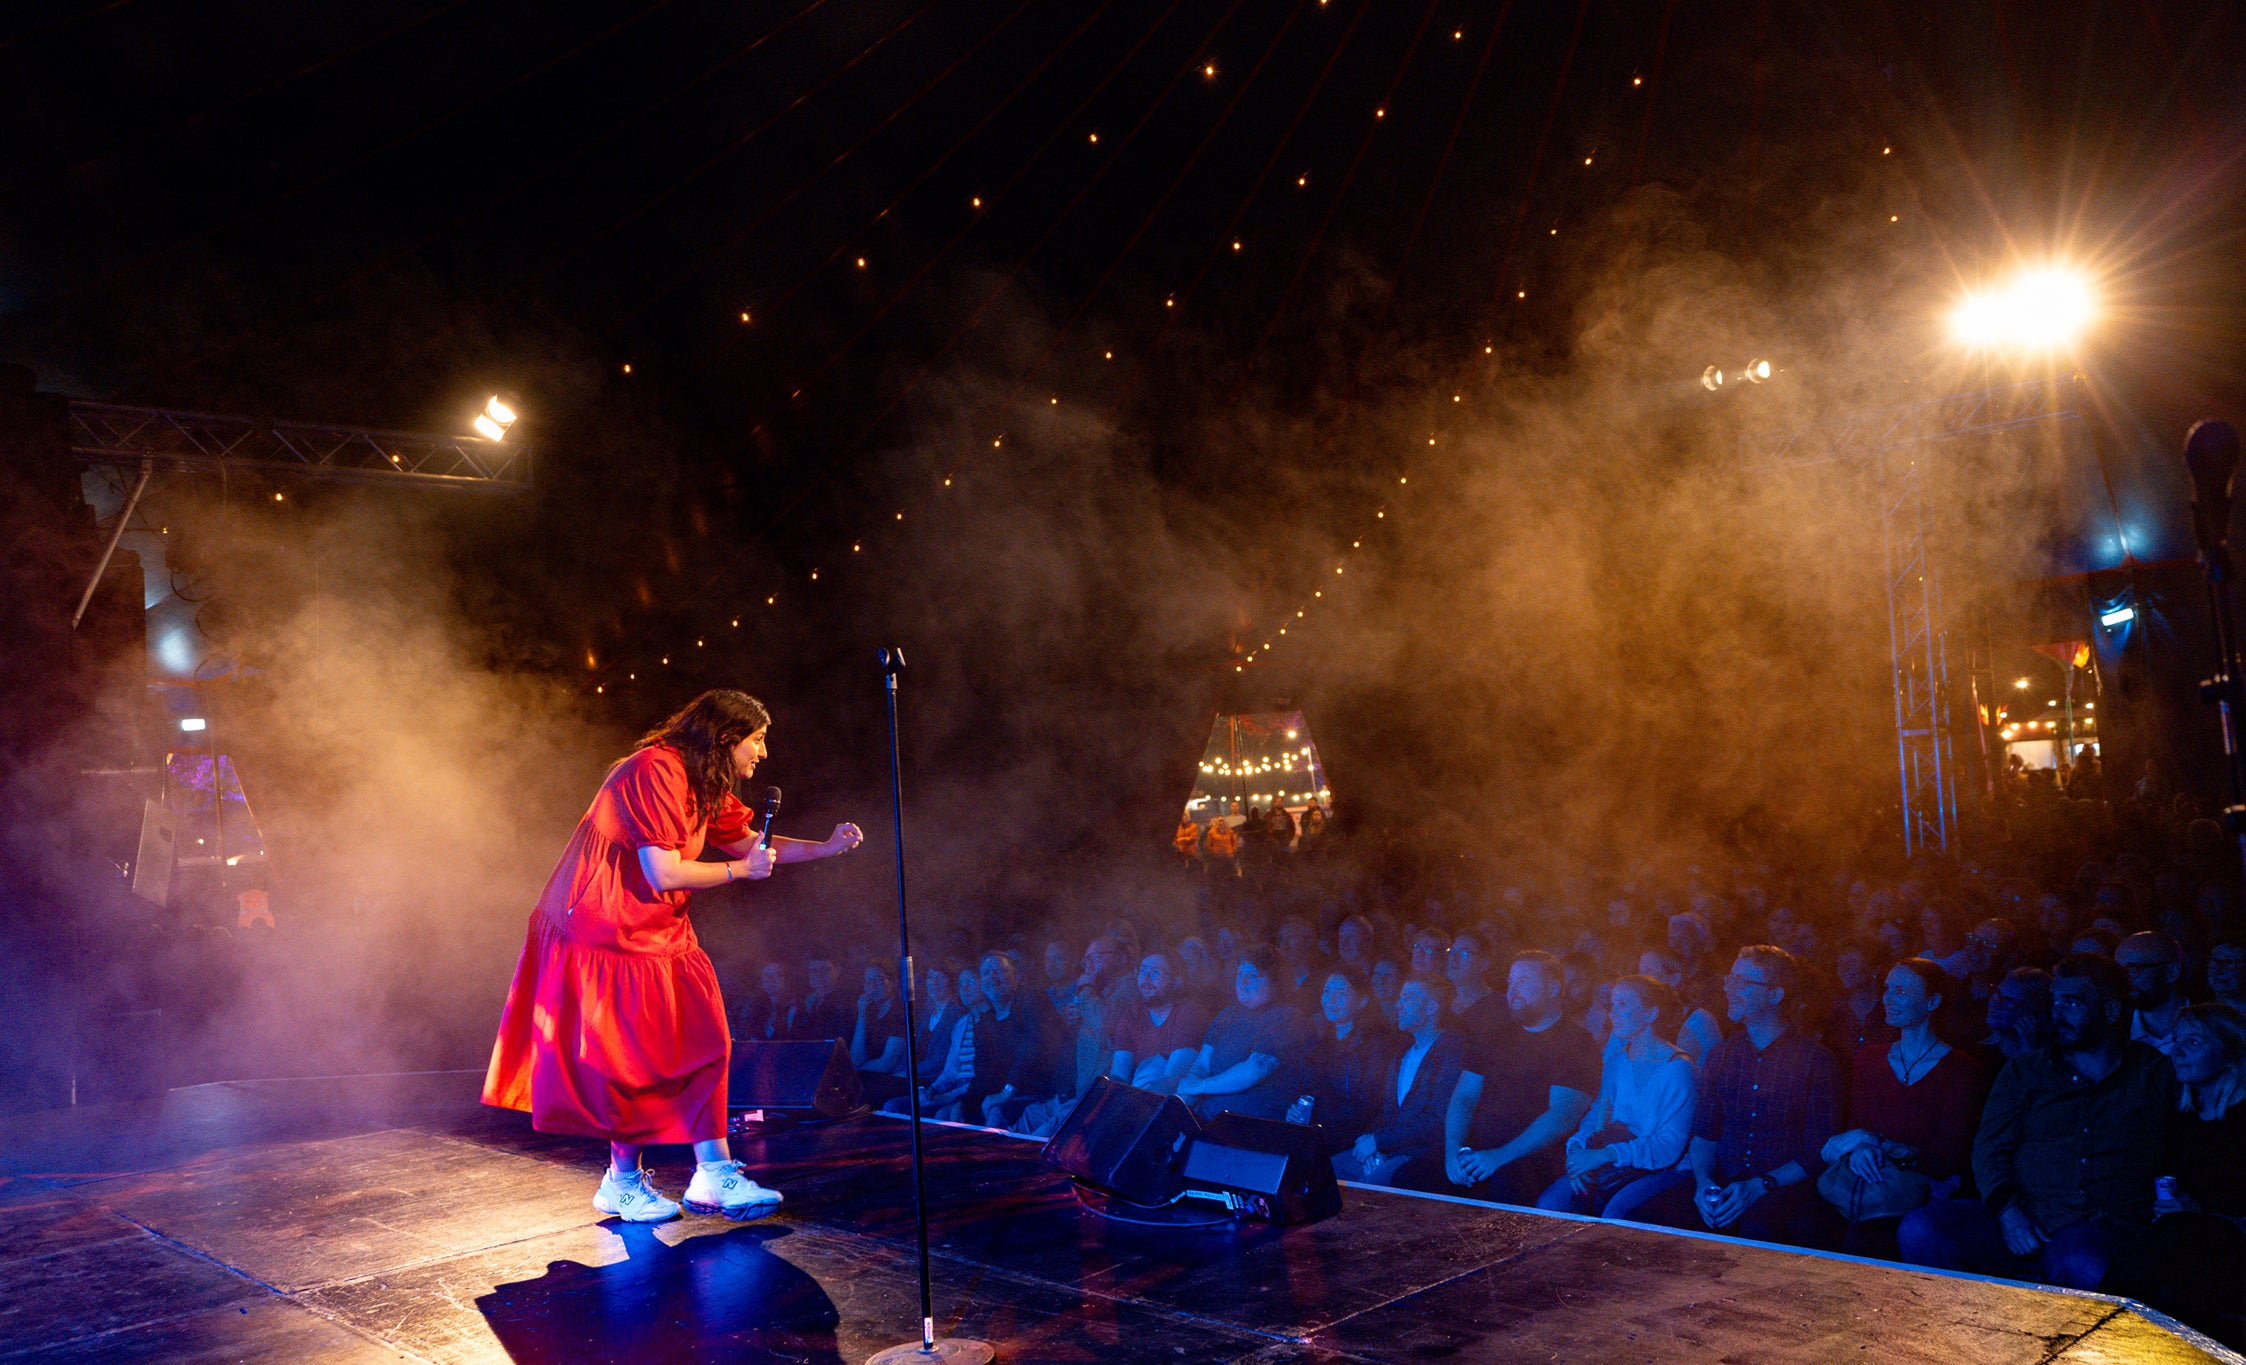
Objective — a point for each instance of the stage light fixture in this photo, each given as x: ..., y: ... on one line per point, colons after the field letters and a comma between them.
x: 1711, y: 379
x: 2021, y: 683
x: 2119, y: 616
x: 2046, y: 308
x: 493, y: 421
x: 193, y: 724
x: 1757, y: 371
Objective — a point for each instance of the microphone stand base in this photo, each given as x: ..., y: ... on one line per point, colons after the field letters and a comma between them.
x: 947, y: 1351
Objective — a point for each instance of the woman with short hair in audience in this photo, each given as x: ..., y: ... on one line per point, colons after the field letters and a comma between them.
x: 1914, y: 1103
x: 2200, y: 1209
x: 1627, y: 1148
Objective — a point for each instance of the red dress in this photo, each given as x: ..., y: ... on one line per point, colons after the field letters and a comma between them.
x: 613, y: 1027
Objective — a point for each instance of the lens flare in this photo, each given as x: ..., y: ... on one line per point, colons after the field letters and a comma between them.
x: 2043, y: 309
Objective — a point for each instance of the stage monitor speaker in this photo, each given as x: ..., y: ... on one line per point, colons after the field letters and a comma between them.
x: 1266, y: 1169
x: 804, y: 1081
x: 1129, y: 1143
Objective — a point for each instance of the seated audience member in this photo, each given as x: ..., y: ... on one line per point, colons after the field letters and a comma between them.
x: 1103, y: 992
x: 2098, y: 942
x: 2201, y: 1208
x: 1060, y: 962
x: 1521, y: 1093
x: 1301, y: 977
x: 1021, y: 1047
x: 1200, y: 977
x: 938, y: 1018
x: 1386, y: 980
x: 1913, y: 1103
x: 1416, y: 1089
x: 1474, y: 1009
x: 1628, y: 1145
x: 877, y: 1038
x: 2069, y: 1144
x: 778, y: 1014
x: 2019, y: 1015
x: 2226, y: 971
x: 824, y: 1013
x: 1698, y: 1032
x: 1428, y: 949
x: 1355, y: 943
x: 1856, y: 1019
x: 944, y: 1096
x: 1345, y: 1071
x: 1251, y: 1061
x: 2156, y: 967
x: 1767, y: 1103
x: 1155, y: 1043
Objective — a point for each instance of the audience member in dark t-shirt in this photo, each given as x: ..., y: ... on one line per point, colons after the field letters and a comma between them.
x: 1020, y: 1047
x: 1474, y: 1010
x: 1344, y: 1075
x: 1251, y: 1061
x: 1156, y: 1041
x: 1523, y: 1090
x: 825, y: 1012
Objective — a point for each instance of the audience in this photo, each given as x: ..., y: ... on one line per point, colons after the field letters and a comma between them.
x: 1918, y: 981
x: 1627, y: 1147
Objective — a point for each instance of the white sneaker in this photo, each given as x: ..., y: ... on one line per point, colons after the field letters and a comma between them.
x: 721, y: 1187
x: 633, y: 1198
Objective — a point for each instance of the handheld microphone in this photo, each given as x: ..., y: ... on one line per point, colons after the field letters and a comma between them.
x: 771, y: 808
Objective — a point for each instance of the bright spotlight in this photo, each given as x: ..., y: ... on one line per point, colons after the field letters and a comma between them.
x: 493, y: 421
x: 2119, y: 616
x: 2043, y: 309
x: 193, y: 724
x: 1711, y: 379
x: 1757, y: 371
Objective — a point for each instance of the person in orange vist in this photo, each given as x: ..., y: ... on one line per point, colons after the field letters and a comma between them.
x: 613, y: 1027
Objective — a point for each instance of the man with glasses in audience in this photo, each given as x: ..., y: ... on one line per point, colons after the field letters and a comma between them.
x: 1769, y: 1100
x: 1475, y: 1011
x: 2155, y: 967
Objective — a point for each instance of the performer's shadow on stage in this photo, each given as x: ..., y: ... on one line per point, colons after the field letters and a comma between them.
x: 719, y: 1296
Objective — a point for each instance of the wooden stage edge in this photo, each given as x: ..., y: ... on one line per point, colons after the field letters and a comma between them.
x: 392, y: 1218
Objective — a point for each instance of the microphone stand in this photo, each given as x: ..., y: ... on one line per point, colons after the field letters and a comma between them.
x: 928, y: 1350
x: 2211, y: 455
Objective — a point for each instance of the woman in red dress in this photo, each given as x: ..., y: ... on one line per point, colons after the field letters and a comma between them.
x: 614, y: 1028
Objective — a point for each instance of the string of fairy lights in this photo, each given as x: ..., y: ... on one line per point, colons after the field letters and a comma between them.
x: 1379, y: 514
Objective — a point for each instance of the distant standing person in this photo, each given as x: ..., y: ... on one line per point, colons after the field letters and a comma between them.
x: 614, y: 1027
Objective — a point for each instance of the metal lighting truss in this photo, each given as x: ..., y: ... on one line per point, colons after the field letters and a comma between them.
x: 1897, y: 439
x: 109, y: 433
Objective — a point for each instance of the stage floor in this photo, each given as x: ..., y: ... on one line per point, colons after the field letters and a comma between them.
x: 393, y: 1218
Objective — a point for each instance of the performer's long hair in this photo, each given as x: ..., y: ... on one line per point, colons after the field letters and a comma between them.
x: 704, y: 732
